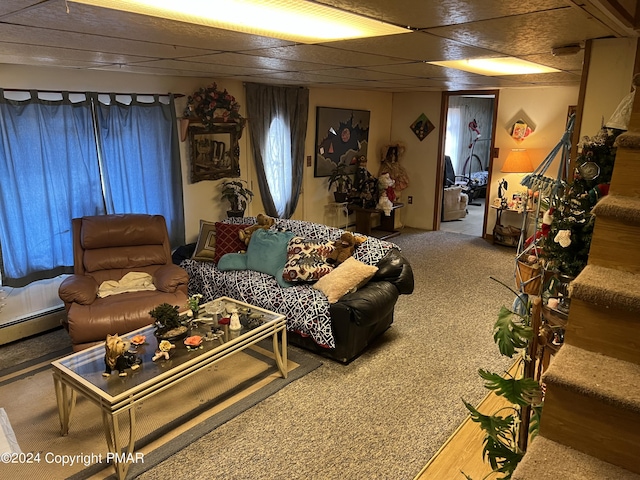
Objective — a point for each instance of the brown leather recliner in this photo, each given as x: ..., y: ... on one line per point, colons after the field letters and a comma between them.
x: 105, y: 248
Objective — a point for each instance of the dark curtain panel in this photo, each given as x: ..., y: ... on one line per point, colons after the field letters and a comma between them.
x: 268, y: 106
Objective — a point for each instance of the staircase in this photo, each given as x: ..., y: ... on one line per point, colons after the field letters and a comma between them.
x: 590, y: 425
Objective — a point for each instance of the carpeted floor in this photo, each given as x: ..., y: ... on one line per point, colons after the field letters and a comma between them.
x: 384, y: 415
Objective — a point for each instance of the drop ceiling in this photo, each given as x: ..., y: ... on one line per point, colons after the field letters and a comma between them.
x: 78, y: 37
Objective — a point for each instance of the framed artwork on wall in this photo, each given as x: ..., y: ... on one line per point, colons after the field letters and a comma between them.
x: 342, y: 136
x: 214, y: 152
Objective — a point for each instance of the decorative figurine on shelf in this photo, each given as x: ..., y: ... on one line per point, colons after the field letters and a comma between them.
x: 387, y: 194
x: 365, y: 186
x: 164, y: 347
x: 234, y: 323
x: 117, y: 358
x: 502, y: 189
x: 390, y: 164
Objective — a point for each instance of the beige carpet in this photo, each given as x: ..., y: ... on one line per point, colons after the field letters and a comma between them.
x: 164, y: 423
x: 385, y: 414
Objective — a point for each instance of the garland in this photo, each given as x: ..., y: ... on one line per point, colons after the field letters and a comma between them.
x: 212, y: 106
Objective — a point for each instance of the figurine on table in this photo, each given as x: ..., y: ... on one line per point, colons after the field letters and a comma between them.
x: 164, y: 347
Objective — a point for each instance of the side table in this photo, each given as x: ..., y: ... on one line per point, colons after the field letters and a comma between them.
x: 385, y: 230
x: 337, y: 211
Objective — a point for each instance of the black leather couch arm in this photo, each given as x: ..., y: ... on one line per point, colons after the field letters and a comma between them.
x: 395, y: 268
x: 366, y: 306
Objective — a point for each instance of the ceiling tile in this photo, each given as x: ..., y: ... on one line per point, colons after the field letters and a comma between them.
x: 51, y: 55
x: 90, y: 42
x: 255, y: 61
x: 413, y: 46
x: 422, y: 14
x: 535, y: 33
x: 205, y: 69
x: 328, y: 55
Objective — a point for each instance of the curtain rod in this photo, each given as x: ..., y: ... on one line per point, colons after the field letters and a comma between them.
x: 27, y: 90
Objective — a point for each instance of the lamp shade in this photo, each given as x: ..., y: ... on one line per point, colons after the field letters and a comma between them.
x: 517, y: 161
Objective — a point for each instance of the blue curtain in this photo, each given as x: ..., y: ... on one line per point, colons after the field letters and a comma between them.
x: 141, y: 160
x: 48, y: 175
x: 61, y: 160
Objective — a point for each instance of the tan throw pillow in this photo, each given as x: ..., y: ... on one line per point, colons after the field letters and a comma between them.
x: 345, y: 278
x: 206, y: 247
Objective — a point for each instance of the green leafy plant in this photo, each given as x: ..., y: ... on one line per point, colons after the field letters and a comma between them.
x: 508, y: 430
x: 340, y: 179
x: 166, y: 318
x: 237, y: 194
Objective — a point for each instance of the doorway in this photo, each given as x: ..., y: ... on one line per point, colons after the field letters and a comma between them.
x: 465, y: 160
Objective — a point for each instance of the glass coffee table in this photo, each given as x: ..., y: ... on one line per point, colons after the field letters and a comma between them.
x: 82, y: 372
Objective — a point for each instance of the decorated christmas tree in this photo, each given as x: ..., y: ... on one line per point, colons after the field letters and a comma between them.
x: 566, y: 247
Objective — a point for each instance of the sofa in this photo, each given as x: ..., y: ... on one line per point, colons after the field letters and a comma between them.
x: 335, y: 325
x: 107, y: 250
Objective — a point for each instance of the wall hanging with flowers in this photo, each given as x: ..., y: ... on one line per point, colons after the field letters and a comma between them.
x: 214, y: 125
x: 211, y: 106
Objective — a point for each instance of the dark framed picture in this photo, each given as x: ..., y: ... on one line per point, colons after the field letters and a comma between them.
x: 342, y: 136
x: 215, y: 152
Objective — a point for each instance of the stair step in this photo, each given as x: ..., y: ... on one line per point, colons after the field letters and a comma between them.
x: 623, y: 208
x: 625, y: 179
x: 607, y: 287
x: 549, y: 460
x: 592, y: 404
x: 605, y: 330
x: 629, y: 140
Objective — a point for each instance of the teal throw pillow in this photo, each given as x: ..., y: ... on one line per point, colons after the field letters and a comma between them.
x: 232, y: 261
x: 267, y: 253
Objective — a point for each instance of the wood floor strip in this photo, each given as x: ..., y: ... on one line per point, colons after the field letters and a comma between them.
x: 462, y: 452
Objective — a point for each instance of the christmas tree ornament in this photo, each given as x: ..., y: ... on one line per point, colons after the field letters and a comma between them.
x: 563, y: 238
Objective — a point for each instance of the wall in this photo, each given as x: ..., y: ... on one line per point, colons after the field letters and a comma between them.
x: 609, y: 81
x: 420, y: 157
x: 315, y: 193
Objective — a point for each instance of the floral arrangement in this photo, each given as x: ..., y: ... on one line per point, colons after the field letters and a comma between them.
x: 194, y: 303
x: 213, y: 106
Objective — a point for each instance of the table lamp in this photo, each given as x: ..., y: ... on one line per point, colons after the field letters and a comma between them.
x: 517, y: 161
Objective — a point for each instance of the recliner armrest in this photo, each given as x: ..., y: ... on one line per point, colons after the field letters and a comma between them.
x: 80, y: 289
x: 169, y: 277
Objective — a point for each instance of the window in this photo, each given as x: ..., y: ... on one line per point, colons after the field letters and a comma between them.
x: 278, y: 163
x: 61, y: 159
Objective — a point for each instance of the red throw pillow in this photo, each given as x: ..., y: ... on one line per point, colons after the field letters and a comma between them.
x: 228, y: 240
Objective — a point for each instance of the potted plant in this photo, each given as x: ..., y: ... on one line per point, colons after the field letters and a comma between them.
x: 342, y: 181
x: 238, y: 196
x: 168, y: 324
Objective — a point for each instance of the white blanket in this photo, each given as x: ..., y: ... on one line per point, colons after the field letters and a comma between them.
x: 131, y: 282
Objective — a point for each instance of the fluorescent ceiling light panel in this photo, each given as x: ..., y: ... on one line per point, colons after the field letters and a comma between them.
x: 294, y: 20
x: 496, y: 66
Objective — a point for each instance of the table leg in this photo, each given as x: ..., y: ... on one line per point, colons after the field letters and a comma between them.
x: 281, y: 357
x: 121, y: 457
x: 66, y: 400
